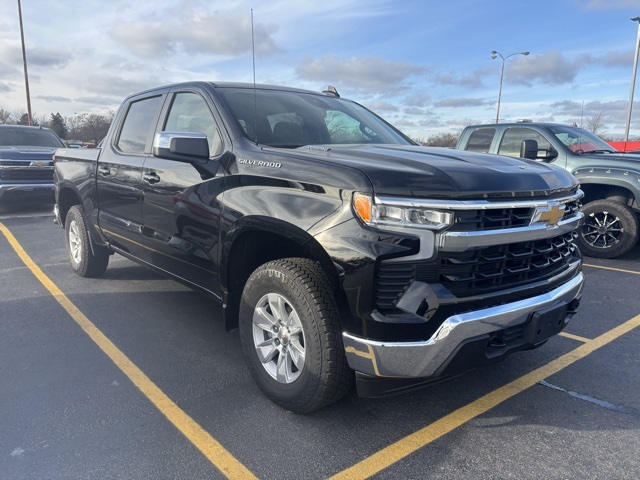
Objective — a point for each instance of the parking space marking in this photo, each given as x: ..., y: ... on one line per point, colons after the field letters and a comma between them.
x: 611, y: 268
x: 574, y: 337
x: 199, y: 437
x: 407, y: 445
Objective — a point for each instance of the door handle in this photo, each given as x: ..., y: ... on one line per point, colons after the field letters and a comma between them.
x: 104, y: 170
x: 151, y: 177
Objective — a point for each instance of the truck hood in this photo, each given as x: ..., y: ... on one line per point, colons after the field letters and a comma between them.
x: 26, y: 153
x: 440, y: 172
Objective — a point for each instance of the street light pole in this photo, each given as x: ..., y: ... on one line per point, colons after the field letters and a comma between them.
x: 495, y: 54
x: 633, y: 84
x: 24, y: 61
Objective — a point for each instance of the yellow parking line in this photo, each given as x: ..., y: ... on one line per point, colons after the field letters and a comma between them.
x: 610, y: 268
x: 210, y: 447
x: 402, y: 448
x: 574, y: 337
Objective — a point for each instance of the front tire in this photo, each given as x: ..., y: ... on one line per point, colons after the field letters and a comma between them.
x: 610, y: 229
x: 291, y: 335
x: 84, y: 261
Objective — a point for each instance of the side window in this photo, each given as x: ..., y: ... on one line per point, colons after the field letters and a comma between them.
x: 480, y: 140
x: 138, y: 124
x: 513, y: 137
x: 190, y: 113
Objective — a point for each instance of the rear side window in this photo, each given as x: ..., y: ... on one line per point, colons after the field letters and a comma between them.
x: 138, y: 125
x: 513, y: 137
x: 480, y: 140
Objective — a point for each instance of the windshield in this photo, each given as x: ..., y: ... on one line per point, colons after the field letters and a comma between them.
x: 28, y: 137
x: 294, y: 119
x: 580, y: 141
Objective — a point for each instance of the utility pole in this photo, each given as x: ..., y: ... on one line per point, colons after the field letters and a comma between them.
x: 24, y: 61
x: 633, y: 84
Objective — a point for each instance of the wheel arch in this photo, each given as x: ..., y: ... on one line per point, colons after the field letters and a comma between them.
x: 66, y: 198
x: 258, y: 241
x: 614, y: 189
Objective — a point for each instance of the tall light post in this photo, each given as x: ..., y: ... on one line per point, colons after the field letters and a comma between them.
x: 24, y: 61
x: 495, y: 54
x: 633, y: 84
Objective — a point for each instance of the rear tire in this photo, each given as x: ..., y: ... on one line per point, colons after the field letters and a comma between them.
x: 291, y: 335
x: 84, y: 261
x: 610, y: 229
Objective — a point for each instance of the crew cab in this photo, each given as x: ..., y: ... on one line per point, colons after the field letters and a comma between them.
x: 610, y: 179
x: 338, y: 247
x: 26, y: 166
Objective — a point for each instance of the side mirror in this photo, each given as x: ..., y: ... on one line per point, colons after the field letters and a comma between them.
x: 529, y: 149
x: 188, y: 147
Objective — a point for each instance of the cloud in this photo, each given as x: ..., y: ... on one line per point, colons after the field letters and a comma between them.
x: 215, y: 32
x: 371, y: 74
x: 415, y: 111
x: 461, y: 102
x: 550, y: 68
x: 5, y: 88
x: 381, y: 106
x: 119, y: 86
x: 53, y: 98
x: 616, y: 59
x: 606, y: 5
x: 472, y: 80
x: 416, y: 100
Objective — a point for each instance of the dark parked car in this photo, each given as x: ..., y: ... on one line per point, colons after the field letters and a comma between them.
x: 26, y: 160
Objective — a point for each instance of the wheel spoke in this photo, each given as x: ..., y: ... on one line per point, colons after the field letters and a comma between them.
x: 278, y: 310
x: 281, y: 368
x: 268, y: 341
x: 297, y: 353
x: 268, y: 356
x: 263, y: 320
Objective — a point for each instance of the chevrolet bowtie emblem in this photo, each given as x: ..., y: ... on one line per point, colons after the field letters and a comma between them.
x: 551, y: 214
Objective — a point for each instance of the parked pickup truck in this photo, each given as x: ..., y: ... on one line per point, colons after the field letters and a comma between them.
x: 25, y: 160
x: 334, y: 242
x: 610, y: 180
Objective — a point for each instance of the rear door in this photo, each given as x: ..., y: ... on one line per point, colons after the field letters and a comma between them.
x: 119, y: 177
x: 181, y: 201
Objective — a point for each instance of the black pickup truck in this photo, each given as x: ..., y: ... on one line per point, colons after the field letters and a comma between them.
x: 610, y: 180
x: 334, y: 242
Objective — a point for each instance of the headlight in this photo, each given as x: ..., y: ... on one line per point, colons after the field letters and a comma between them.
x: 399, y: 214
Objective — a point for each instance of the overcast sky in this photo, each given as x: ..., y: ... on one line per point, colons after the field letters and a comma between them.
x: 424, y: 65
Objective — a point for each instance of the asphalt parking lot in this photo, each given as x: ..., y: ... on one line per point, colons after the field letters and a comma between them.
x: 133, y: 376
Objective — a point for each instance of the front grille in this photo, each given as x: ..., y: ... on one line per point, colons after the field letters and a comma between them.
x: 27, y: 175
x: 480, y: 271
x: 501, y: 218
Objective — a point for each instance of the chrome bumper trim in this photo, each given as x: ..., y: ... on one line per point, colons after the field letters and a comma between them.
x: 25, y: 187
x: 424, y: 359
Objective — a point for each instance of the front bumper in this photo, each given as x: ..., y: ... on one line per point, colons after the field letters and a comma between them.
x: 430, y: 358
x: 27, y: 188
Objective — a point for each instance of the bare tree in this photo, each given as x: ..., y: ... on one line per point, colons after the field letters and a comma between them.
x: 595, y: 123
x: 5, y: 117
x: 444, y: 139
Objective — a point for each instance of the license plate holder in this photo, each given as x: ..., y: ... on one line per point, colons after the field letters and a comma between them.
x: 545, y: 323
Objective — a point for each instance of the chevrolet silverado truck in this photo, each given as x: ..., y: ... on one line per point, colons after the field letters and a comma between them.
x: 26, y: 166
x: 339, y: 248
x: 610, y: 179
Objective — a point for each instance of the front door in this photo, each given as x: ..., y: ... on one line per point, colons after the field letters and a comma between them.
x: 181, y: 206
